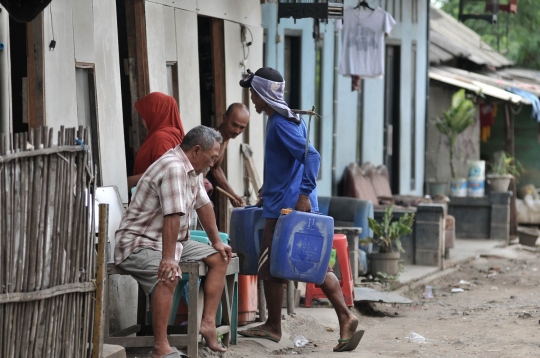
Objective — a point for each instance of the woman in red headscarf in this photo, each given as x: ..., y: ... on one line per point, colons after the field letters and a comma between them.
x: 165, y: 131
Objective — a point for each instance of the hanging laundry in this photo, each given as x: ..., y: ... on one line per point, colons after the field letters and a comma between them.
x: 488, y: 112
x: 535, y: 113
x: 363, y: 41
x: 356, y: 83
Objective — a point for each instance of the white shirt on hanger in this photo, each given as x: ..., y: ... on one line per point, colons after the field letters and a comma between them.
x: 363, y: 41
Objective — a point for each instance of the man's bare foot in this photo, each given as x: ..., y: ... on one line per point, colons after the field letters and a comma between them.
x: 209, y: 333
x: 263, y: 331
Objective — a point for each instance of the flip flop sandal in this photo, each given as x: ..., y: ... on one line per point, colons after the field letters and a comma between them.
x: 249, y: 333
x: 351, y: 343
x: 174, y: 354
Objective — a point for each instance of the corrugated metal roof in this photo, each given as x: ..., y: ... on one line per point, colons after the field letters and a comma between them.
x: 450, y: 38
x: 473, y: 82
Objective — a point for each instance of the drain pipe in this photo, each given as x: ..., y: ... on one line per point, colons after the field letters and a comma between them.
x: 4, y: 73
x: 335, y: 112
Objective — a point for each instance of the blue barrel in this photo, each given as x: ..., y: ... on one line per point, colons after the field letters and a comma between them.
x: 246, y: 229
x: 302, y: 246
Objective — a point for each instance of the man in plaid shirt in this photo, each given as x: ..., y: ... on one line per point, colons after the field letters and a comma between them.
x: 154, y: 234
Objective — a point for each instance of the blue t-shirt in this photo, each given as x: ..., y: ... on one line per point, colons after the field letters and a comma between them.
x: 287, y: 174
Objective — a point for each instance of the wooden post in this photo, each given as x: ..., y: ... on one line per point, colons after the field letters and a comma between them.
x: 36, y: 72
x: 509, y: 131
x: 97, y: 344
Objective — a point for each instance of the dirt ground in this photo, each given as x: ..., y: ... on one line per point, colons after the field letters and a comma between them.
x: 496, y: 315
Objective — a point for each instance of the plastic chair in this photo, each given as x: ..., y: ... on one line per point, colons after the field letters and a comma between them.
x: 347, y: 285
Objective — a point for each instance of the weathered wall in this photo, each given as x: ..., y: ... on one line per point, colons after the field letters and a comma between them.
x: 437, y: 148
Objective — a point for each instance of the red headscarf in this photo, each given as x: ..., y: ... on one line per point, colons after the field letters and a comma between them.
x: 165, y: 129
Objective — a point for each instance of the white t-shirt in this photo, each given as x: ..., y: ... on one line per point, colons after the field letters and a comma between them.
x: 363, y: 41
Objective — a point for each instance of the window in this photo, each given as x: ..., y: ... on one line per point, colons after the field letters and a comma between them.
x: 86, y: 109
x: 293, y: 45
x: 172, y: 80
x: 413, y: 117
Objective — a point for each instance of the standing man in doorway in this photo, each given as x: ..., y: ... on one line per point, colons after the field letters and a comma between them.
x: 290, y: 180
x: 235, y: 121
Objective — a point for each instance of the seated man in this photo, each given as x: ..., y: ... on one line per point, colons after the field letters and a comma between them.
x: 154, y: 234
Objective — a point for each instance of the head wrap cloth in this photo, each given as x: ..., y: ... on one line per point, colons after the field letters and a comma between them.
x: 272, y: 93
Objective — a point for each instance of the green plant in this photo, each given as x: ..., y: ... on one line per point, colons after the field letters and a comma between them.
x: 503, y: 164
x: 386, y: 232
x: 455, y: 120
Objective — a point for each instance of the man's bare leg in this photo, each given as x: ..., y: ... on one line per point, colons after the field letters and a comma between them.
x: 161, y: 310
x: 347, y: 320
x: 213, y: 288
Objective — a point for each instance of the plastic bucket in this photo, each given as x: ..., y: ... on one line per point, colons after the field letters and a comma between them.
x: 475, y: 187
x: 458, y: 187
x: 477, y: 169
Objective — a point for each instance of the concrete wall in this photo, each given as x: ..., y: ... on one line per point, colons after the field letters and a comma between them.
x: 370, y: 102
x: 437, y: 148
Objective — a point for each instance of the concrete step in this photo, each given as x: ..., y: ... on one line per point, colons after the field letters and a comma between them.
x: 113, y: 351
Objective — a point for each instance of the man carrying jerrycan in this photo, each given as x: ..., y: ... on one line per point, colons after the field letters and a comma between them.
x: 289, y: 182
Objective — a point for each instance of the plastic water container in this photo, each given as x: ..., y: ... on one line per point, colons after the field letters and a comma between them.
x: 302, y: 246
x: 246, y: 229
x: 475, y: 187
x: 477, y: 169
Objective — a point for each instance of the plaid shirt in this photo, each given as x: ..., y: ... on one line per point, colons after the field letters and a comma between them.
x: 169, y: 186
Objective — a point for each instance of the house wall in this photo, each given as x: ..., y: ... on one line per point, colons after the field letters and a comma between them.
x: 410, y: 30
x: 82, y: 33
x: 437, y: 148
x: 172, y: 36
x: 353, y: 108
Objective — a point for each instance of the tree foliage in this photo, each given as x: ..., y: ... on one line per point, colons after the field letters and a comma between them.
x: 522, y: 44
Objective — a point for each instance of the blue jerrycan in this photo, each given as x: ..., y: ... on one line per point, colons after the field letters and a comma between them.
x: 246, y: 228
x: 301, y: 246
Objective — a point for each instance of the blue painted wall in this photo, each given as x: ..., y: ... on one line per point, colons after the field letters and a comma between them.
x: 410, y: 28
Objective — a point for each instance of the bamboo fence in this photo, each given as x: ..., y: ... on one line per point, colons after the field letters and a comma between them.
x: 47, y: 252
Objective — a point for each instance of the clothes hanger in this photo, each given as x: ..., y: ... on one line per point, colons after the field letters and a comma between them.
x: 364, y: 4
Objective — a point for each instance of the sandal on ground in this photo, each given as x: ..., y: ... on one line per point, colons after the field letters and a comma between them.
x: 346, y: 345
x: 251, y: 333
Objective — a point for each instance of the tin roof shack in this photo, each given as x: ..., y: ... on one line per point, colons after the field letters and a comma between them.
x: 458, y: 57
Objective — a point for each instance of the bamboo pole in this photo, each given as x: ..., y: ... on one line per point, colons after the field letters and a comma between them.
x: 97, y: 345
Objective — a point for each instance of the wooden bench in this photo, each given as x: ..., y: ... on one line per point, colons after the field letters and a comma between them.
x: 180, y: 336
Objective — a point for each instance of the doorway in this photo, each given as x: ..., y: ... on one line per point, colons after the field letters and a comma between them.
x: 212, y: 94
x: 392, y: 114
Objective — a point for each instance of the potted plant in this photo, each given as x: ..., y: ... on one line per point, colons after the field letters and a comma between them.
x: 386, y: 234
x: 455, y: 121
x: 503, y: 168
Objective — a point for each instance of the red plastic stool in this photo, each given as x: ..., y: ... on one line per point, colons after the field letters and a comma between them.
x: 347, y: 286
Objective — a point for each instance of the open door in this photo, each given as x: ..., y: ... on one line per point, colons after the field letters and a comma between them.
x: 212, y: 92
x: 392, y: 115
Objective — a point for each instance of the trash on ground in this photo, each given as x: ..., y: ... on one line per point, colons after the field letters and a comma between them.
x: 300, y: 341
x: 416, y: 338
x: 525, y: 315
x: 463, y: 282
x: 457, y: 290
x: 329, y: 329
x: 428, y: 293
x: 494, y: 288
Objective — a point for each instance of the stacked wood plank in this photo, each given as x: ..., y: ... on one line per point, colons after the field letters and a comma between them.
x: 47, y: 254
